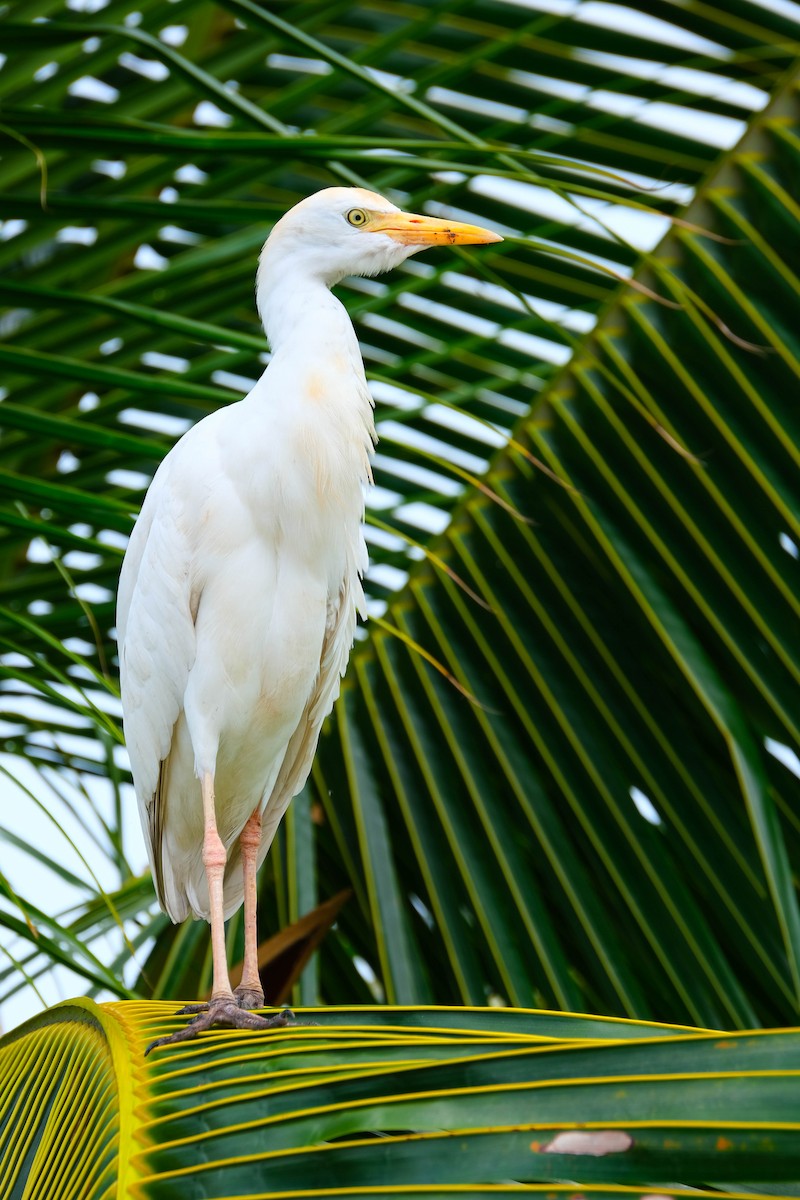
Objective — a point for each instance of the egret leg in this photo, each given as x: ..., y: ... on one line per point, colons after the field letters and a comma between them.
x: 250, y: 993
x: 223, y: 1008
x: 214, y: 859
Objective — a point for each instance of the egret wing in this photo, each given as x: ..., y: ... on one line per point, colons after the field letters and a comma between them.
x: 155, y: 625
x: 299, y: 754
x: 296, y: 766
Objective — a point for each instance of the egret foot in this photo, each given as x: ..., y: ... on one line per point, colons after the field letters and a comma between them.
x: 223, y: 1011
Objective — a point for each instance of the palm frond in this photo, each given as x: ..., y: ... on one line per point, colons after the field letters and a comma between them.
x: 378, y: 1102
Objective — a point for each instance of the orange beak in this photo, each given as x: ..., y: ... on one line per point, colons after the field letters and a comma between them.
x: 413, y: 230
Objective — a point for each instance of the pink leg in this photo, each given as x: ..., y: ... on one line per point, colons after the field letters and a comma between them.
x: 225, y: 1009
x: 250, y: 993
x: 214, y: 859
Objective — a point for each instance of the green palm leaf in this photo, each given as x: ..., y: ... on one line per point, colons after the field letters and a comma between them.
x: 376, y: 1102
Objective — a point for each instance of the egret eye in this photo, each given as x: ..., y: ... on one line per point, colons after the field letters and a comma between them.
x: 357, y: 216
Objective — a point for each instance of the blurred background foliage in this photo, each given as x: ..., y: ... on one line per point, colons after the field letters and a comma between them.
x: 562, y: 772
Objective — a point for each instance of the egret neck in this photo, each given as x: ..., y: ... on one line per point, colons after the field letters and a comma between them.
x: 315, y: 348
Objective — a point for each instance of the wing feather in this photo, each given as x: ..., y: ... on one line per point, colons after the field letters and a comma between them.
x: 155, y: 626
x: 299, y: 755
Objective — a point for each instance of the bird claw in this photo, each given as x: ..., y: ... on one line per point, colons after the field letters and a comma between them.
x: 226, y: 1013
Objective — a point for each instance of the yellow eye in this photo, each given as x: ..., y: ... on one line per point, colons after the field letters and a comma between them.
x: 357, y: 216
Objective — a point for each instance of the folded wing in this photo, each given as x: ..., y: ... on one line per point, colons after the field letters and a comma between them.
x: 156, y: 633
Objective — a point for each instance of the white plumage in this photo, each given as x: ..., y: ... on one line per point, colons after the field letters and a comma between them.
x: 240, y: 587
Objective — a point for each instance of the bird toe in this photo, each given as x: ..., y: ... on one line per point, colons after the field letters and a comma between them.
x: 225, y: 1013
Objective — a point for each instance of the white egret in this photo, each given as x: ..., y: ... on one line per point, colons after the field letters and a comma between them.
x: 241, y: 583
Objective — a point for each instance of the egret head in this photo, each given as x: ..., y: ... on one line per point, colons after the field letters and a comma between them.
x: 350, y: 231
